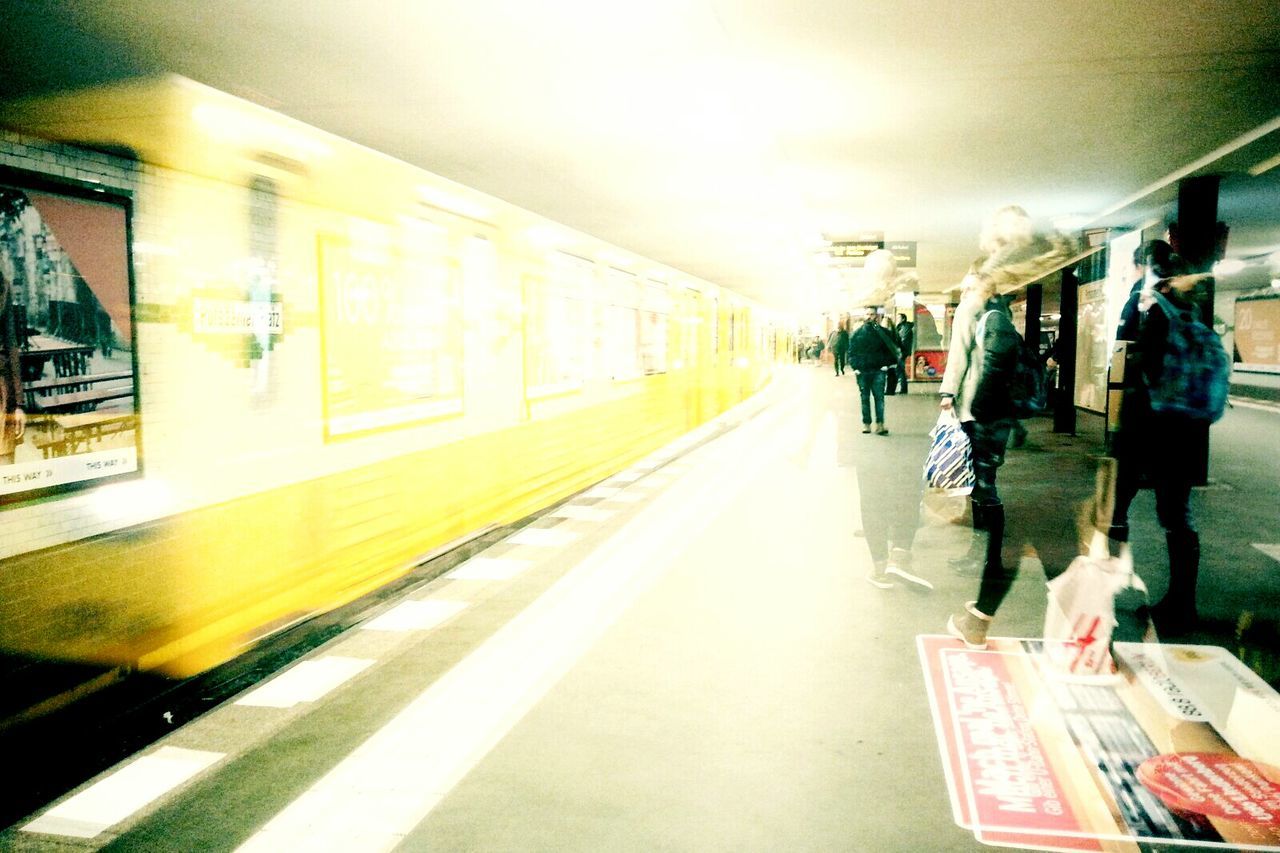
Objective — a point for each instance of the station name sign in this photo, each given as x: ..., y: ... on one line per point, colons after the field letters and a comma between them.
x: 853, y: 252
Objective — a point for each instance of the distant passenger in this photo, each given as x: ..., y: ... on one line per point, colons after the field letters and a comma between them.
x: 15, y: 420
x: 1157, y: 444
x: 891, y: 372
x: 839, y: 344
x: 871, y: 351
x: 905, y: 332
x: 976, y: 387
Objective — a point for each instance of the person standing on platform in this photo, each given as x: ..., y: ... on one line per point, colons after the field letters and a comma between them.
x: 871, y: 351
x: 891, y: 372
x: 905, y: 332
x: 976, y: 387
x: 839, y: 344
x: 1155, y: 444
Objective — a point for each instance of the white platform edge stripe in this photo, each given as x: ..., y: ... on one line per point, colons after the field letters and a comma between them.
x: 415, y: 615
x: 489, y: 569
x: 1272, y: 550
x: 125, y: 792
x: 601, y: 492
x: 549, y: 537
x: 583, y: 513
x: 305, y: 682
x: 627, y: 497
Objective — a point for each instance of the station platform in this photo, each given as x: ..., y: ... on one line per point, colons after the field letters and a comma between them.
x: 687, y: 656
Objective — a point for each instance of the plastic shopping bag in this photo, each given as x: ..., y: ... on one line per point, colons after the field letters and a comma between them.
x: 1084, y: 603
x: 949, y: 465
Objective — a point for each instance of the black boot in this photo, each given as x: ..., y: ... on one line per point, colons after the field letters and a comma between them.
x: 1176, y: 612
x: 969, y: 564
x: 996, y: 578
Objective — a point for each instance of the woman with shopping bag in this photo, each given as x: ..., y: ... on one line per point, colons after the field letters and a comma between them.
x: 975, y: 388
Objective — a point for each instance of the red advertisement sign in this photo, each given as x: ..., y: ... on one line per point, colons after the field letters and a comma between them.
x: 1038, y: 760
x: 1215, y: 785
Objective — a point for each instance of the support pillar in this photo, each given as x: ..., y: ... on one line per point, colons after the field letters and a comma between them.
x: 1064, y: 401
x: 1200, y: 239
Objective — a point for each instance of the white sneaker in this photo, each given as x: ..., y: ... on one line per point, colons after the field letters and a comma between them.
x: 900, y: 572
x: 879, y: 579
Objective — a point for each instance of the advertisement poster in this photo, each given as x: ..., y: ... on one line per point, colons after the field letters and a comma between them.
x: 67, y: 379
x: 1258, y: 333
x: 1036, y: 760
x: 391, y: 327
x: 1093, y: 348
x: 928, y: 365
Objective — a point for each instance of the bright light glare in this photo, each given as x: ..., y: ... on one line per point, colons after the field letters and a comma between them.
x: 240, y: 127
x: 135, y: 501
x: 1229, y: 266
x: 453, y: 203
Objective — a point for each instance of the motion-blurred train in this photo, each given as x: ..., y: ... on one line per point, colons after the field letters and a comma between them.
x: 264, y: 370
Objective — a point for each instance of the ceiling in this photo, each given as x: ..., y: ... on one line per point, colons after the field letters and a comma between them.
x: 726, y: 138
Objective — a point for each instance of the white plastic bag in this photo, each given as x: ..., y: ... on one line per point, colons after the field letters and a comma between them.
x: 949, y: 466
x: 1081, y: 615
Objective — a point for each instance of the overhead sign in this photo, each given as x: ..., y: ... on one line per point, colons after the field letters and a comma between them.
x: 904, y: 252
x: 854, y: 249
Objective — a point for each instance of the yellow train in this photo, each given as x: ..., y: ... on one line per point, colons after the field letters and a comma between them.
x: 265, y: 370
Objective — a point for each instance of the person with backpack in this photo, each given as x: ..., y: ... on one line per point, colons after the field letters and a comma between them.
x: 977, y: 386
x: 1176, y: 379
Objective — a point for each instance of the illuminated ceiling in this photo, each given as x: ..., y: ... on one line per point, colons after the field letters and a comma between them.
x: 723, y: 138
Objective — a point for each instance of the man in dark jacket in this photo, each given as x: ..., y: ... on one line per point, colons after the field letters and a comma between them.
x: 838, y: 343
x: 871, y: 351
x: 905, y: 332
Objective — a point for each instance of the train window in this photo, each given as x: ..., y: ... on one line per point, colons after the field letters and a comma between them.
x: 556, y: 327
x: 715, y: 326
x: 391, y: 327
x: 621, y: 325
x: 655, y: 311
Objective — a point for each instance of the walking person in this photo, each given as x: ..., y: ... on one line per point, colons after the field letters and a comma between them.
x: 891, y: 372
x: 905, y: 332
x: 976, y: 387
x: 839, y: 345
x: 871, y: 351
x: 1156, y: 444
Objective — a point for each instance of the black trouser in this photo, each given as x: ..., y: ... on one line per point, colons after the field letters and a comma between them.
x: 987, y: 445
x: 1157, y: 446
x: 840, y: 360
x: 871, y: 385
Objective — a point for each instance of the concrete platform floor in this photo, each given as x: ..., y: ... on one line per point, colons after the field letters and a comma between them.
x: 685, y: 658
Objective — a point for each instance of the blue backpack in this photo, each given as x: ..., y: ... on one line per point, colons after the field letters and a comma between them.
x: 1195, y: 374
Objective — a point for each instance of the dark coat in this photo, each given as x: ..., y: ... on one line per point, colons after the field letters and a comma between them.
x: 905, y: 332
x: 871, y: 348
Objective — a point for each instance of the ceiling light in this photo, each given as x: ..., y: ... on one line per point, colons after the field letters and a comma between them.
x: 452, y: 203
x: 546, y: 236
x: 614, y: 259
x: 1265, y: 165
x: 1229, y: 266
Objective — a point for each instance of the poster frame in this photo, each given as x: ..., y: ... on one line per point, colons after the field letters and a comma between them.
x: 122, y: 197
